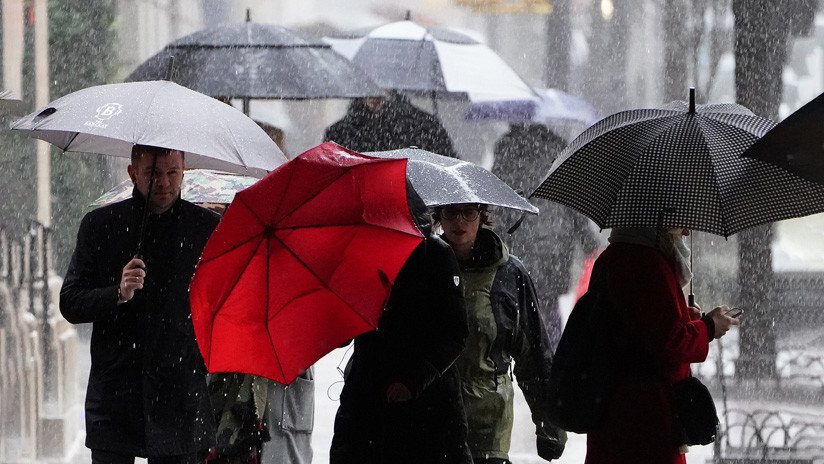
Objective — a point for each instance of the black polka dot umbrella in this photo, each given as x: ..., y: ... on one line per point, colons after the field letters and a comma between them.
x: 677, y: 166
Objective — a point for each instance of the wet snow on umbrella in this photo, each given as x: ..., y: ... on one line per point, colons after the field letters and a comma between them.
x: 110, y: 119
x: 251, y: 60
x: 441, y: 180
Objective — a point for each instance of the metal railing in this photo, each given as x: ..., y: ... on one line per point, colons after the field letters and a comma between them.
x: 39, y: 402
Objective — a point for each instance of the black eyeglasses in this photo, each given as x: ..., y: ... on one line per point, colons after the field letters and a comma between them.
x: 469, y: 213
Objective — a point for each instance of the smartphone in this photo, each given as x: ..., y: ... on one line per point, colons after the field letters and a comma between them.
x: 734, y: 312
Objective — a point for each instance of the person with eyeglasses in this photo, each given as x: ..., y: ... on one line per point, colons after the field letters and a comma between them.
x: 505, y: 325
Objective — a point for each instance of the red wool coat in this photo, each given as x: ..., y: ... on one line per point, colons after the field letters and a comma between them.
x: 645, y: 296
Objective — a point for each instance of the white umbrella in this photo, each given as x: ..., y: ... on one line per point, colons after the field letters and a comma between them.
x: 409, y: 57
x: 111, y: 119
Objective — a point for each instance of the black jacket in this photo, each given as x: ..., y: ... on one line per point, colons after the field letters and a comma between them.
x: 420, y: 335
x: 147, y: 388
x: 398, y: 124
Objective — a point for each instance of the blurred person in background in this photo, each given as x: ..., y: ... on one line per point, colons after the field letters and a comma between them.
x: 389, y: 123
x: 547, y: 243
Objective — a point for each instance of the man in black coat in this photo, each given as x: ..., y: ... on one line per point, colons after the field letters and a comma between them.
x: 379, y: 124
x: 147, y: 391
x: 401, y: 402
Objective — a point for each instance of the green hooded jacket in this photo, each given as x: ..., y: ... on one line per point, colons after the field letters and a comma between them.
x: 504, y: 326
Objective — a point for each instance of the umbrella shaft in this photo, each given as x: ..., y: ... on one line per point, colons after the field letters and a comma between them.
x: 145, y: 218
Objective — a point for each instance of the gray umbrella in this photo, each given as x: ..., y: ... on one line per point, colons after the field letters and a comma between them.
x: 250, y: 60
x: 110, y: 119
x: 441, y: 180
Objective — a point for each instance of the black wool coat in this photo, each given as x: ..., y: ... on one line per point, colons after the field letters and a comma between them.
x: 421, y: 334
x: 398, y: 124
x: 147, y: 391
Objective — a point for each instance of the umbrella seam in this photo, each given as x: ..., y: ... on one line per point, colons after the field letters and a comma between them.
x: 331, y: 181
x: 222, y: 124
x: 72, y: 140
x: 286, y: 188
x: 572, y: 148
x: 716, y: 184
x: 239, y: 200
x: 266, y: 313
x: 223, y: 301
x: 236, y: 144
x: 437, y: 71
x: 311, y: 271
x: 675, y: 120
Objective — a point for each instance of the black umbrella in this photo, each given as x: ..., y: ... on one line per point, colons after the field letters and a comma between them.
x: 251, y: 60
x: 441, y: 180
x: 796, y: 143
x: 678, y: 166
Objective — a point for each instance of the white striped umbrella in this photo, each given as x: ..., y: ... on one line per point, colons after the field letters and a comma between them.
x: 408, y: 57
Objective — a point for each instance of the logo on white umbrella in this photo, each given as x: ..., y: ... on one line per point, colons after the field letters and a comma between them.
x: 108, y: 110
x: 104, y: 113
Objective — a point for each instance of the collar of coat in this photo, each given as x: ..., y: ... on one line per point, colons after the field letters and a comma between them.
x: 489, y: 251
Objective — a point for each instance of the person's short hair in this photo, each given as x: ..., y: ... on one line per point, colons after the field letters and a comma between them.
x: 486, y: 219
x: 139, y: 150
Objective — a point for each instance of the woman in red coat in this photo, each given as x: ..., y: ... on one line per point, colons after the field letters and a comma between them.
x: 644, y: 272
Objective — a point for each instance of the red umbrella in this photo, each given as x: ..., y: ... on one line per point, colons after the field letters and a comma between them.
x: 302, y: 262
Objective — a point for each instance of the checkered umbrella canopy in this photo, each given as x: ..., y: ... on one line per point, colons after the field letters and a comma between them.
x: 674, y: 167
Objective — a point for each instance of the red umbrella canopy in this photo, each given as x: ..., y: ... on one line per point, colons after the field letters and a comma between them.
x: 302, y: 262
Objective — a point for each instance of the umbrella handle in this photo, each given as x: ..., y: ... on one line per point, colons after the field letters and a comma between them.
x: 691, y: 296
x: 517, y: 224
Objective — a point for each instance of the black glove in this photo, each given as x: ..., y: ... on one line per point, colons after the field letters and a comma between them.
x: 549, y: 449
